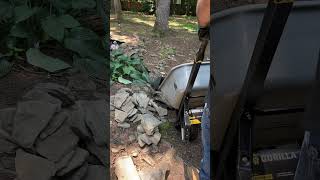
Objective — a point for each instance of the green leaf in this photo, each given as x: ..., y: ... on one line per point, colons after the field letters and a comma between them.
x: 68, y: 21
x: 124, y: 81
x: 61, y: 4
x: 37, y: 58
x: 52, y: 26
x: 92, y: 67
x: 82, y: 34
x: 23, y: 12
x: 5, y: 10
x: 146, y: 76
x: 84, y: 48
x: 5, y: 67
x: 83, y: 4
x: 128, y: 69
x: 19, y: 30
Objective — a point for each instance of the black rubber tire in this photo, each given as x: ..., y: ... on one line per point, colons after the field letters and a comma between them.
x: 194, y: 132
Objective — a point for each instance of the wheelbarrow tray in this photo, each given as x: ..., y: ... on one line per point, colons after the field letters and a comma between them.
x: 289, y: 78
x: 175, y: 83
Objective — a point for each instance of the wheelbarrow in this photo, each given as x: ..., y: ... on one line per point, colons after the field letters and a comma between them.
x: 184, y: 89
x: 266, y: 58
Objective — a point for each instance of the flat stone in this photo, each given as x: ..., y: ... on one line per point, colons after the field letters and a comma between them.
x: 133, y: 118
x: 125, y: 169
x: 112, y: 100
x: 79, y: 157
x: 101, y: 152
x: 128, y: 107
x: 127, y: 90
x: 30, y: 119
x: 55, y: 123
x: 31, y: 167
x: 151, y: 109
x: 124, y: 125
x: 142, y: 111
x: 140, y: 129
x: 78, y: 173
x: 64, y: 161
x: 154, y: 174
x: 96, y: 172
x: 120, y: 116
x: 96, y: 120
x: 138, y: 119
x: 77, y: 122
x: 146, y: 149
x: 132, y: 138
x: 133, y: 112
x: 161, y: 111
x: 155, y: 139
x: 149, y: 123
x: 7, y: 117
x: 62, y: 142
x: 120, y: 98
x: 7, y: 146
x: 164, y: 119
x: 145, y: 138
x: 142, y: 99
x: 141, y: 143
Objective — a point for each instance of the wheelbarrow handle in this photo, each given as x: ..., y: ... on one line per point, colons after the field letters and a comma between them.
x: 201, y: 52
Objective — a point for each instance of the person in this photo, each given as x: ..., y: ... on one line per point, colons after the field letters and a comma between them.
x: 203, y: 16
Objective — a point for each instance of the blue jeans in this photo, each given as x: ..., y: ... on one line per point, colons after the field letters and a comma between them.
x: 205, y: 132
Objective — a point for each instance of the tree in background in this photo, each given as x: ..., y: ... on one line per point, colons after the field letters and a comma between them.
x: 161, y: 24
x: 117, y: 9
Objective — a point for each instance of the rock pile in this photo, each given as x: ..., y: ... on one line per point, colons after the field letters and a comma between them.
x: 51, y: 135
x: 131, y: 108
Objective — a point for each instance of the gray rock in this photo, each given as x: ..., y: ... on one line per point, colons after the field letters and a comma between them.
x: 120, y: 116
x: 141, y: 99
x: 145, y: 138
x: 132, y: 138
x: 64, y: 161
x: 164, y: 119
x: 111, y: 100
x: 55, y: 123
x: 31, y: 167
x: 128, y: 107
x: 140, y: 129
x: 7, y: 116
x: 78, y: 173
x: 133, y: 118
x: 96, y: 172
x: 151, y: 109
x: 161, y: 111
x: 124, y: 125
x: 30, y: 119
x: 96, y: 119
x: 54, y: 147
x: 138, y: 119
x: 133, y: 112
x: 154, y: 174
x: 149, y: 123
x: 112, y: 108
x: 141, y: 143
x: 101, y: 152
x: 120, y: 98
x: 127, y: 90
x: 79, y: 157
x: 142, y: 111
x: 155, y: 139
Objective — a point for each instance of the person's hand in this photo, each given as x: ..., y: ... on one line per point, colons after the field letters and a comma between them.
x: 204, y: 33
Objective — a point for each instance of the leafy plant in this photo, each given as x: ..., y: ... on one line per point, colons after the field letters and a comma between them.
x: 25, y: 25
x: 128, y: 69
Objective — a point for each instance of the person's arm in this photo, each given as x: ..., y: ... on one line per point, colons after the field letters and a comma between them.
x: 203, y: 13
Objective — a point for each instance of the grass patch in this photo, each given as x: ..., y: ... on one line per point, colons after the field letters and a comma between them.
x: 165, y: 127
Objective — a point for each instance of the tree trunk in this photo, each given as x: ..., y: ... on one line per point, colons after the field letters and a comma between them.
x: 162, y: 16
x: 118, y: 9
